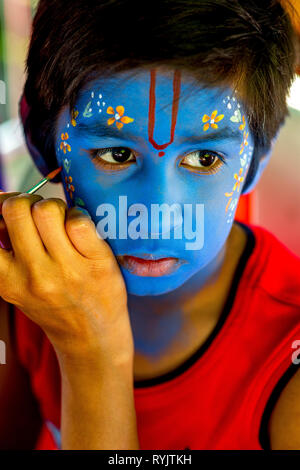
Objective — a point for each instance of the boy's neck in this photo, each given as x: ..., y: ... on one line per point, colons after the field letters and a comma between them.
x: 168, y: 328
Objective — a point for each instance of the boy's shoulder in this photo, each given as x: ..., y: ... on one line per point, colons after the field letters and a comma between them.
x: 274, y: 267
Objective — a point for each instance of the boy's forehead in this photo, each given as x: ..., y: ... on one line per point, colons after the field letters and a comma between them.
x: 131, y: 86
x: 160, y: 96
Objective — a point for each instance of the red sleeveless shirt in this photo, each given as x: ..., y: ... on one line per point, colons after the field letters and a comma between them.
x: 222, y: 396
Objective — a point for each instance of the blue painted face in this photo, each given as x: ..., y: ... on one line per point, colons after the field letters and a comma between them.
x: 156, y: 138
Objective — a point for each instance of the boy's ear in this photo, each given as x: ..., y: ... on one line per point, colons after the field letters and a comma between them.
x: 262, y: 165
x: 32, y: 148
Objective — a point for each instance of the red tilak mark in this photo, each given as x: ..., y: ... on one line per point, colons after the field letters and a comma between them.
x: 152, y: 103
x: 161, y: 154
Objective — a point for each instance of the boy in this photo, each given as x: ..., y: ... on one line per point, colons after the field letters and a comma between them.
x: 168, y: 335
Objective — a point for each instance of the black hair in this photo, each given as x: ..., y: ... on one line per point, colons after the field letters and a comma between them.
x: 249, y: 45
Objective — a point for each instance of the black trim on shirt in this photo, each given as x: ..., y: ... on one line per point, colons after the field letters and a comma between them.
x: 264, y: 438
x: 226, y: 310
x: 12, y: 328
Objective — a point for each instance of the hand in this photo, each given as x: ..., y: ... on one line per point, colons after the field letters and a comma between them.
x: 64, y: 277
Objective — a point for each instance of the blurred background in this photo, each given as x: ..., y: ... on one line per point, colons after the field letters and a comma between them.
x: 275, y: 203
x: 17, y: 171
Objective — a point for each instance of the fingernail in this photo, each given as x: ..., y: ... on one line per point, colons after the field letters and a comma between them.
x: 83, y: 211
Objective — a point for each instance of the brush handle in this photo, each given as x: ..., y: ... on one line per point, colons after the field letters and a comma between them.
x: 37, y: 186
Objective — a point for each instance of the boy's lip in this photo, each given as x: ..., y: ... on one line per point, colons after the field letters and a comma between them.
x: 150, y: 265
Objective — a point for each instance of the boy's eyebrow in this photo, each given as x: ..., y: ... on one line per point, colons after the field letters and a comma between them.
x: 221, y: 134
x: 103, y: 130
x: 99, y: 129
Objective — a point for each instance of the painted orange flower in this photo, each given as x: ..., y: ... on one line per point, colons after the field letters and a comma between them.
x: 245, y: 142
x: 211, y: 120
x: 64, y: 146
x: 239, y: 179
x: 74, y: 116
x: 70, y: 187
x: 119, y: 117
x: 242, y: 126
x: 229, y: 200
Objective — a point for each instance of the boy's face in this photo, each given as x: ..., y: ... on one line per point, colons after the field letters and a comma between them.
x: 135, y: 144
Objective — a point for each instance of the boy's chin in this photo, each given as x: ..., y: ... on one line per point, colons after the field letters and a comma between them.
x: 142, y: 285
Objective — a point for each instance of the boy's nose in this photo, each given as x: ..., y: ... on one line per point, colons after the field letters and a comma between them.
x: 162, y: 217
x: 159, y: 196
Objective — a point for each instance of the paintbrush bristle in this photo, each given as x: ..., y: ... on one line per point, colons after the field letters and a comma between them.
x: 53, y: 173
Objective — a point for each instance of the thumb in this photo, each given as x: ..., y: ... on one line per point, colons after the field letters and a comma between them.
x: 82, y: 232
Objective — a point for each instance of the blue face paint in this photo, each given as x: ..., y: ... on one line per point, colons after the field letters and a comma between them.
x: 157, y: 138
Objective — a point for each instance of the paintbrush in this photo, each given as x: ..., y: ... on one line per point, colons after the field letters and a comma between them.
x: 32, y: 190
x: 45, y: 180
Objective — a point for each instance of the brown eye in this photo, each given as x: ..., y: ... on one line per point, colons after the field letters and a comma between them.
x: 203, y: 161
x: 207, y: 159
x: 120, y: 154
x: 115, y: 158
x: 115, y: 155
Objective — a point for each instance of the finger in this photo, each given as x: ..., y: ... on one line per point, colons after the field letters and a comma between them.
x: 49, y: 218
x: 4, y: 196
x: 82, y: 233
x: 24, y: 237
x: 4, y: 237
x: 6, y: 258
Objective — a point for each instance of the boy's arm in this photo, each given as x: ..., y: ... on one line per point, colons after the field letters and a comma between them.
x: 98, y: 410
x: 64, y: 277
x: 20, y: 420
x: 284, y: 424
